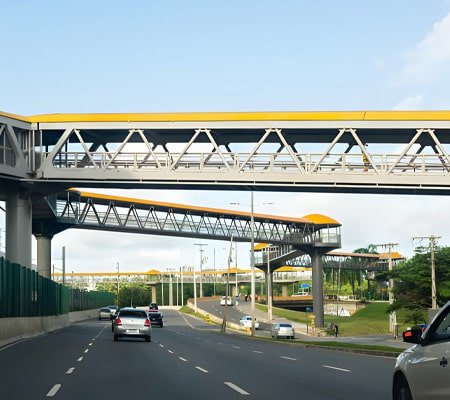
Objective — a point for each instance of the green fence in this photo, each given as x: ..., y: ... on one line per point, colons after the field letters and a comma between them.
x: 24, y: 293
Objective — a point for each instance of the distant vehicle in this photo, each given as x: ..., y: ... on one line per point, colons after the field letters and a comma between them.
x: 422, y: 371
x: 114, y: 310
x: 152, y: 307
x: 104, y: 313
x: 246, y: 322
x: 282, y: 330
x: 229, y: 302
x: 156, y: 318
x: 132, y: 322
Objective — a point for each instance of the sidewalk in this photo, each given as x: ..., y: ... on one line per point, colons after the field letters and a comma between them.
x: 301, y: 331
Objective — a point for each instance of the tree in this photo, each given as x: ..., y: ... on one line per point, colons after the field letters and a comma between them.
x: 412, y: 281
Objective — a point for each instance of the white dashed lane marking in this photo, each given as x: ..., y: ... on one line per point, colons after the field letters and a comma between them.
x: 288, y: 358
x: 182, y: 359
x: 336, y: 368
x: 53, y: 390
x: 170, y: 351
x: 257, y: 351
x: 80, y: 359
x: 86, y: 350
x: 70, y: 370
x: 201, y: 369
x: 236, y: 388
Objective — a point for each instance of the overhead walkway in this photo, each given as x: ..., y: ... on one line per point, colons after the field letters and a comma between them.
x: 356, y: 151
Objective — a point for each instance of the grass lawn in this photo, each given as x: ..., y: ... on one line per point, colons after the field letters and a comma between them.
x: 369, y: 320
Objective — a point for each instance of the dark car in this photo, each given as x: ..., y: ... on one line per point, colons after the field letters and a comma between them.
x: 156, y: 318
x: 152, y: 307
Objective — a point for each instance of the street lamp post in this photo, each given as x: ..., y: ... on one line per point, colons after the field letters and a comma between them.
x: 252, y: 261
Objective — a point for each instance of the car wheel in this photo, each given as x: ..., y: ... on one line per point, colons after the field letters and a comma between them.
x: 148, y: 339
x: 161, y: 325
x: 401, y: 389
x: 115, y: 338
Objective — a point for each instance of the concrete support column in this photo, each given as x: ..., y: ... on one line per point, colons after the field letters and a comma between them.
x: 44, y: 256
x: 233, y: 291
x: 154, y: 294
x: 18, y: 229
x: 317, y: 288
x: 284, y: 289
x: 170, y: 290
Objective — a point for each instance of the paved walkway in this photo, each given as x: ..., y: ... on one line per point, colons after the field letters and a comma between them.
x: 303, y: 334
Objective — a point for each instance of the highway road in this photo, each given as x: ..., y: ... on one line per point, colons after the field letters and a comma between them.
x: 186, y: 359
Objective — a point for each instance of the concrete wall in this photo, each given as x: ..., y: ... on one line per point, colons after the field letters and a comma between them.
x: 13, y: 329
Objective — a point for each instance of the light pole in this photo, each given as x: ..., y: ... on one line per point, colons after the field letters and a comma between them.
x: 224, y: 322
x: 252, y: 259
x: 118, y: 287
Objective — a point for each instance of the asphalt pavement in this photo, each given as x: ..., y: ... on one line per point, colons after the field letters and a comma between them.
x: 301, y: 331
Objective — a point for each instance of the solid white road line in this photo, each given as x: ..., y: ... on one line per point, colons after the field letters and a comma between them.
x: 257, y: 351
x: 182, y: 359
x: 53, y: 390
x: 237, y: 388
x: 336, y: 368
x: 201, y: 369
x: 70, y: 370
x: 80, y: 359
x: 289, y: 358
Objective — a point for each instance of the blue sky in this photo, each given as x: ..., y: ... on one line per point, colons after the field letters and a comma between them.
x: 110, y: 56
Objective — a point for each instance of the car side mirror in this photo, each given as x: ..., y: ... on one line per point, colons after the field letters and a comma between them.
x: 413, y: 335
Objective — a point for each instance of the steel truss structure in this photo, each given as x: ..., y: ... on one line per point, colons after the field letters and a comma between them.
x: 390, y: 152
x: 100, y: 212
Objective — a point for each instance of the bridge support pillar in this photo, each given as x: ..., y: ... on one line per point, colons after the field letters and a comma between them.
x: 154, y: 294
x: 44, y: 256
x: 18, y: 228
x: 317, y: 287
x: 284, y: 289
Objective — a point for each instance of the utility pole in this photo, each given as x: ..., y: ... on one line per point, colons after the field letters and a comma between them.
x: 118, y: 278
x: 432, y: 246
x: 201, y: 245
x: 393, y: 315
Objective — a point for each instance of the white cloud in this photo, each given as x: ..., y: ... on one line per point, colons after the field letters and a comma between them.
x: 430, y: 58
x: 410, y: 103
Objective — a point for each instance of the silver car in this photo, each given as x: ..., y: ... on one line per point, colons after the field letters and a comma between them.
x: 104, y: 313
x: 132, y: 322
x: 422, y: 371
x: 282, y: 329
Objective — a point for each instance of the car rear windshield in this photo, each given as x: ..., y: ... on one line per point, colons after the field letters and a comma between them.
x: 132, y: 313
x: 105, y: 310
x: 285, y: 325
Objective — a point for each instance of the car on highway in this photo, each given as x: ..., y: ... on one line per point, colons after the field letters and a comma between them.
x: 246, y: 322
x: 152, y: 307
x: 282, y: 329
x: 132, y: 322
x: 156, y: 318
x: 224, y: 300
x: 104, y: 313
x: 113, y: 310
x: 422, y: 371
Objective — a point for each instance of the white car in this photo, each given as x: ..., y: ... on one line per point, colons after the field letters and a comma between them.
x: 282, y: 329
x: 422, y: 371
x: 246, y: 322
x: 223, y: 300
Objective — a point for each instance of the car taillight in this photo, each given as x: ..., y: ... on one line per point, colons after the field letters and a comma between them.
x: 147, y: 322
x: 408, y: 334
x: 118, y: 321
